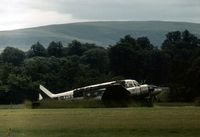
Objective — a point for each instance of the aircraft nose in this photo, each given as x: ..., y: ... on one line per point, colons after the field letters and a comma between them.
x: 155, y: 89
x: 152, y: 87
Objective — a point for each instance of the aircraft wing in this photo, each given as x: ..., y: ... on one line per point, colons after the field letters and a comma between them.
x: 96, y: 86
x: 117, y: 87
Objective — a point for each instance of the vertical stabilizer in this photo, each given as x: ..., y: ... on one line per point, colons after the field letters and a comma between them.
x: 46, y: 91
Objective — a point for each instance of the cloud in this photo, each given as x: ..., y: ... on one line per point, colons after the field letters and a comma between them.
x: 33, y: 18
x: 26, y: 13
x: 16, y: 15
x: 123, y: 10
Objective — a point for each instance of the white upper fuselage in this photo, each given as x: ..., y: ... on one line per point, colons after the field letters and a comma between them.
x: 130, y: 85
x: 69, y: 94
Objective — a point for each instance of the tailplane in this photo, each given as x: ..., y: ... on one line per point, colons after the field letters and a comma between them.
x: 40, y: 97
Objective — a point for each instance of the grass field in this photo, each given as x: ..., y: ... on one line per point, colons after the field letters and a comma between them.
x: 102, y: 122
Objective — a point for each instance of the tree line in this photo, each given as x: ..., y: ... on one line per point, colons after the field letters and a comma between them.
x: 176, y: 64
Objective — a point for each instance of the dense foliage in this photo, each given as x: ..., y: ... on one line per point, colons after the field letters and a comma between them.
x: 176, y: 64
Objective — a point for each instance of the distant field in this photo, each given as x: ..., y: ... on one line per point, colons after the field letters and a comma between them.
x: 102, y: 122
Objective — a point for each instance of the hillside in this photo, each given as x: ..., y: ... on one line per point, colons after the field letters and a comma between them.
x: 101, y: 33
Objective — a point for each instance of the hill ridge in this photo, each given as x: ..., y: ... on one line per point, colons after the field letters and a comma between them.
x: 102, y: 33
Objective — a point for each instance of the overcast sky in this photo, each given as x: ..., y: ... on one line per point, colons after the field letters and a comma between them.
x: 28, y: 13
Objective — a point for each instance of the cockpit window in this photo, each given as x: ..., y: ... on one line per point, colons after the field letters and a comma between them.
x: 136, y: 83
x: 129, y: 84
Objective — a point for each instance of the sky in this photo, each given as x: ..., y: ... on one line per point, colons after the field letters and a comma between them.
x: 15, y: 14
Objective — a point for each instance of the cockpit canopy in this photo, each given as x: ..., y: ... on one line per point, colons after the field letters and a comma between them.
x: 129, y: 83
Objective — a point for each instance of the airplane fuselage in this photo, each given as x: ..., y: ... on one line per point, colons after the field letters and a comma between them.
x: 100, y: 91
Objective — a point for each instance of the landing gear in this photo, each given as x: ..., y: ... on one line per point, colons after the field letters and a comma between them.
x: 149, y: 102
x: 116, y: 97
x: 143, y: 101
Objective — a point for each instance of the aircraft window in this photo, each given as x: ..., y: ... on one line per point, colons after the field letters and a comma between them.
x: 78, y: 93
x: 129, y: 84
x: 136, y: 83
x: 132, y: 84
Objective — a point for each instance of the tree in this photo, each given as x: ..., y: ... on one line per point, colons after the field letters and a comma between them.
x: 180, y: 40
x: 69, y: 71
x: 20, y: 89
x: 171, y: 39
x: 122, y: 60
x: 37, y: 50
x: 55, y: 49
x: 134, y: 59
x: 193, y: 80
x: 144, y: 43
x: 13, y: 56
x: 75, y: 48
x: 127, y: 39
x: 97, y: 59
x: 183, y: 47
x: 37, y: 68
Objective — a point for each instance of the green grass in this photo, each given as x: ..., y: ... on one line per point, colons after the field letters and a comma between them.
x: 85, y: 103
x: 102, y: 122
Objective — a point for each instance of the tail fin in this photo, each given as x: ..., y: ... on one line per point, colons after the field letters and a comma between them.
x: 46, y: 91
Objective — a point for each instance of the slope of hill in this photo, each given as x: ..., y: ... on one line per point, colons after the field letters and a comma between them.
x: 101, y: 33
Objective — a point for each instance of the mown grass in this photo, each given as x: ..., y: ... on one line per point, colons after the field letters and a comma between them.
x: 102, y: 122
x: 85, y: 103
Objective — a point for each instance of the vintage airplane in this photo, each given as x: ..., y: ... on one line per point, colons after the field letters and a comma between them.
x: 114, y: 91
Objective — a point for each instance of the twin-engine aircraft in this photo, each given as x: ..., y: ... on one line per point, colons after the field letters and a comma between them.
x: 114, y: 91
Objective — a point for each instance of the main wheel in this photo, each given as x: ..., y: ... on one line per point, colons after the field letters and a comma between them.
x: 116, y: 97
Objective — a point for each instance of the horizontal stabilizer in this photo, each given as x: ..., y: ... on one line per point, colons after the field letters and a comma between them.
x: 40, y: 97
